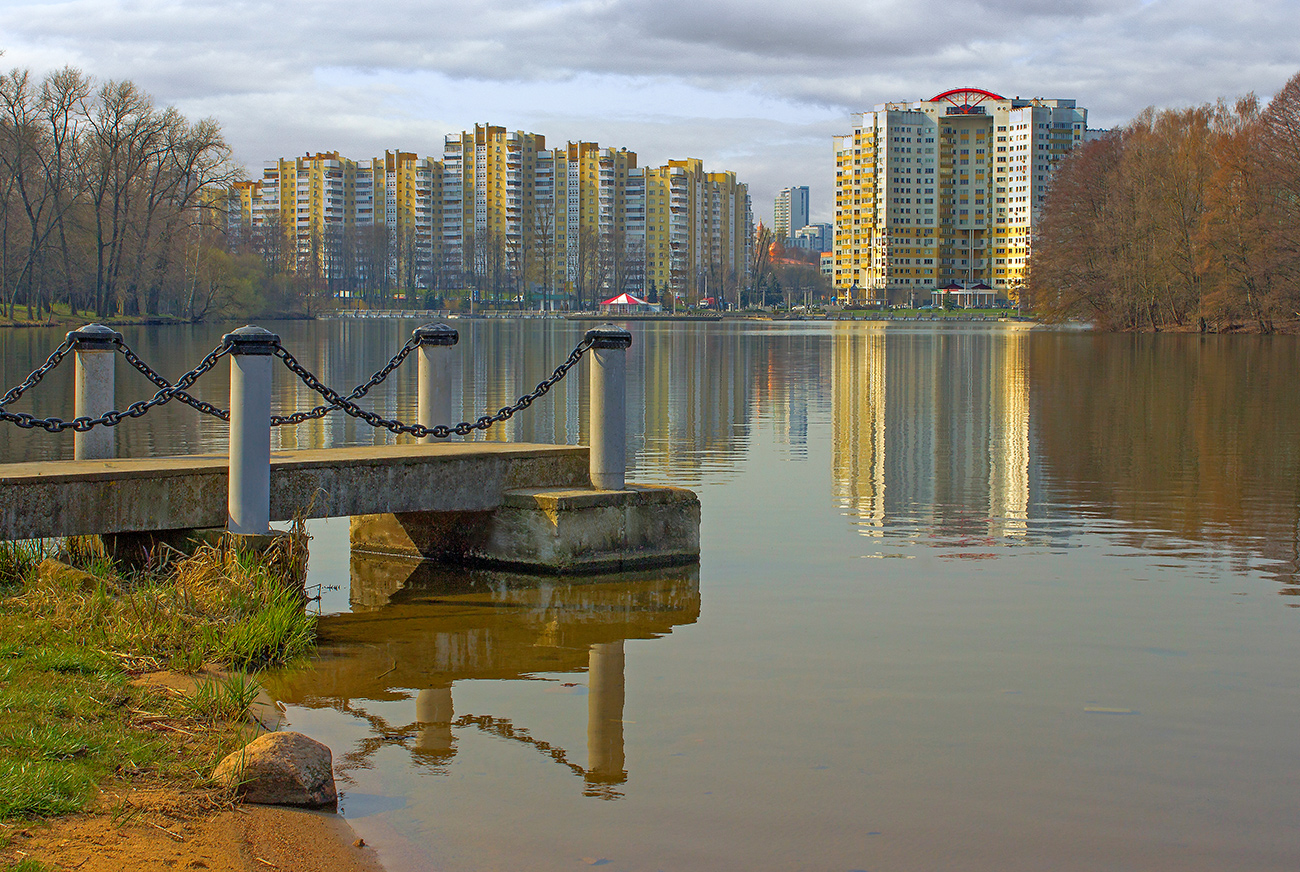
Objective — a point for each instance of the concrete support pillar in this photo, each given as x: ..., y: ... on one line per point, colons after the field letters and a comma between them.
x: 96, y: 349
x: 605, y: 690
x: 434, y: 713
x: 609, y: 406
x: 249, y: 497
x: 435, y: 375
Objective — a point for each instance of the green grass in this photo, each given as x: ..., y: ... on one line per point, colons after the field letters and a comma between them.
x: 70, y: 719
x: 27, y: 864
x: 64, y: 727
x: 222, y: 700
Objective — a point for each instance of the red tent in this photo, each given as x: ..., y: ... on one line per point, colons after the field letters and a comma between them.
x: 624, y: 300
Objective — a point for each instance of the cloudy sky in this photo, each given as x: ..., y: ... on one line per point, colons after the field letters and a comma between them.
x: 758, y: 87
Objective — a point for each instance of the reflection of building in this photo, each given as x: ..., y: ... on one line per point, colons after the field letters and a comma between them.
x: 946, y: 189
x: 858, y: 446
x: 932, y: 427
x: 419, y: 628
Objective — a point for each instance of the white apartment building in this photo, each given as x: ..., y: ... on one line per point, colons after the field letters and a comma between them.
x: 945, y: 192
x: 790, y: 212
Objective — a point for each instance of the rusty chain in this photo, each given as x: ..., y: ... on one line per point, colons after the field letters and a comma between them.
x: 360, y: 391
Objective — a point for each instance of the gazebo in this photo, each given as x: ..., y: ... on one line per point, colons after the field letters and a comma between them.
x: 977, y: 296
x: 626, y: 304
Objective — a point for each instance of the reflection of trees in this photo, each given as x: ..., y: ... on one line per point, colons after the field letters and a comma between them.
x: 1175, y: 433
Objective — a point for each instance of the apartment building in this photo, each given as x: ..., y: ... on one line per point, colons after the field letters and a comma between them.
x: 790, y: 212
x: 698, y: 232
x: 316, y: 214
x: 945, y: 191
x: 502, y: 213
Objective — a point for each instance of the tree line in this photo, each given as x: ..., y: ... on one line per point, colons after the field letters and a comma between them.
x: 103, y: 198
x: 1183, y: 218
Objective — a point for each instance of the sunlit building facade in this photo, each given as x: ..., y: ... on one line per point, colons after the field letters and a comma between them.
x: 499, y: 209
x: 698, y: 232
x: 946, y: 191
x: 790, y: 212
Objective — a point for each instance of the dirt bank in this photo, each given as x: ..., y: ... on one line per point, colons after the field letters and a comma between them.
x: 164, y: 830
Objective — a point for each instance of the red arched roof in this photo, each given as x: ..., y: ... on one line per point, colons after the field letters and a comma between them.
x: 966, y: 96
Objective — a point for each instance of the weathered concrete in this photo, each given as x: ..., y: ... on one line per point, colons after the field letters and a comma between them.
x: 77, y: 497
x: 563, y: 530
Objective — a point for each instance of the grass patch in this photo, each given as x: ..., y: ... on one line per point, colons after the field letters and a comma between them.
x: 222, y: 699
x: 27, y: 864
x: 75, y: 630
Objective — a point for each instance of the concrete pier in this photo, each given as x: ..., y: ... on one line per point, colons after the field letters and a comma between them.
x: 528, y: 507
x: 74, y: 497
x: 561, y: 530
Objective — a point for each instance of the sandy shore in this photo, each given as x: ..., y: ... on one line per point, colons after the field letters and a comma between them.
x: 240, y: 840
x: 166, y: 826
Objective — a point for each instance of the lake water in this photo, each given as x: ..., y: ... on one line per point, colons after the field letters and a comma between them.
x: 970, y: 597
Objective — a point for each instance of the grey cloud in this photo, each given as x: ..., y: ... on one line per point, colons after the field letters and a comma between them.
x: 271, y: 71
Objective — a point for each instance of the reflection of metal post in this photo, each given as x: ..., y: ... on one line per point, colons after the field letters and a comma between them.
x: 95, y: 345
x: 435, y: 375
x: 609, y: 406
x: 249, y: 495
x: 605, y: 687
x: 434, y: 714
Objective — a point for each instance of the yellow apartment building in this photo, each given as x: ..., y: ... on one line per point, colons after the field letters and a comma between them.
x: 945, y: 193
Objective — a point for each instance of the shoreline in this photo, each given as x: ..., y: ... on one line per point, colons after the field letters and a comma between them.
x: 112, y: 717
x: 245, y: 838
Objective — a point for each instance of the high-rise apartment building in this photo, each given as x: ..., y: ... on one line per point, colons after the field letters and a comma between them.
x: 317, y: 215
x: 501, y: 211
x: 946, y: 190
x: 790, y: 212
x: 698, y: 231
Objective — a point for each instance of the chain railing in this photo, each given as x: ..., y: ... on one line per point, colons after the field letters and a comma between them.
x: 113, y: 417
x: 334, y: 401
x: 250, y: 420
x: 439, y: 431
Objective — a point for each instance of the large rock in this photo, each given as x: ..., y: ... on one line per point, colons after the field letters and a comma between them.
x: 281, y: 769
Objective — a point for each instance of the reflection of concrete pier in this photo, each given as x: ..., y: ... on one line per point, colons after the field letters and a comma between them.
x: 433, y: 715
x: 429, y: 626
x: 605, y: 687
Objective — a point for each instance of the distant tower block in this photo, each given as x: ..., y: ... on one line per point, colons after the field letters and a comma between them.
x: 790, y: 213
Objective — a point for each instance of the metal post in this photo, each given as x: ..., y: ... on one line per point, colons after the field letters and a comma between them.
x: 248, y: 502
x: 95, y: 346
x: 435, y: 375
x: 609, y: 406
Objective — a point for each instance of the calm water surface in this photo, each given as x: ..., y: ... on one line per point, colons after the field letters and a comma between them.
x: 975, y: 598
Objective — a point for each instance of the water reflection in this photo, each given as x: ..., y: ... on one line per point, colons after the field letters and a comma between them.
x: 932, y: 429
x: 1188, y: 437
x: 417, y: 629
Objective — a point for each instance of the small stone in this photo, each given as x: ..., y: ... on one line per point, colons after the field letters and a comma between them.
x: 281, y: 769
x: 53, y: 572
x: 359, y: 843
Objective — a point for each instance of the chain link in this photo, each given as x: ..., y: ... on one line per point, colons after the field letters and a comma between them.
x: 440, y: 431
x: 55, y: 358
x: 360, y: 391
x: 178, y: 391
x: 111, y: 418
x: 148, y: 372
